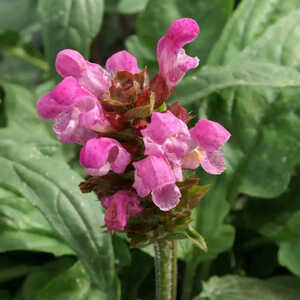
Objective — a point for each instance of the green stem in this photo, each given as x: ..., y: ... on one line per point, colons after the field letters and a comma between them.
x: 21, y: 53
x: 165, y: 269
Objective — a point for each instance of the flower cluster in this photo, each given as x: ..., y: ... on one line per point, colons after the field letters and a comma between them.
x: 120, y: 118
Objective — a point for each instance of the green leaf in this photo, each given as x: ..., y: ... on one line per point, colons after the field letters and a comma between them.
x: 159, y: 14
x: 23, y: 227
x: 121, y: 250
x: 60, y: 279
x: 288, y: 254
x: 5, y: 295
x: 133, y: 278
x: 245, y: 74
x: 15, y: 14
x: 74, y: 22
x: 249, y: 22
x: 232, y: 287
x: 72, y: 284
x: 52, y: 186
x: 131, y: 6
x: 40, y: 277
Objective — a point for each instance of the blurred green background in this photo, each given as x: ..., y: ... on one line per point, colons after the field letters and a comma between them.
x: 248, y: 80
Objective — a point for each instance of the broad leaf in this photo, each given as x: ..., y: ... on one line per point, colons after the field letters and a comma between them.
x: 69, y: 24
x: 60, y: 279
x: 23, y: 227
x: 235, y: 288
x: 52, y: 186
x: 40, y: 277
x: 245, y: 74
x: 131, y: 6
x: 249, y: 22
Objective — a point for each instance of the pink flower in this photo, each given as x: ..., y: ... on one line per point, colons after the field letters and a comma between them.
x: 89, y: 75
x: 122, y: 61
x: 119, y: 207
x: 210, y: 136
x: 99, y: 156
x: 153, y: 174
x: 169, y: 137
x: 77, y: 112
x: 92, y: 76
x: 172, y: 60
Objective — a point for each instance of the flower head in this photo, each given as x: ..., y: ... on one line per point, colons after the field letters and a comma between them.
x: 129, y: 148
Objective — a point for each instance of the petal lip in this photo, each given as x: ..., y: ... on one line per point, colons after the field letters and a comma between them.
x: 122, y: 61
x: 213, y: 162
x: 166, y: 197
x: 209, y: 135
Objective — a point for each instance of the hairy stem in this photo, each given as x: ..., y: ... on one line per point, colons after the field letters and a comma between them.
x: 165, y: 269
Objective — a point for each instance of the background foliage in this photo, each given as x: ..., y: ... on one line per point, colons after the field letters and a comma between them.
x: 51, y: 239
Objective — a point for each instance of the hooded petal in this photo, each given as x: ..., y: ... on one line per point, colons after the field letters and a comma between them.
x: 100, y: 155
x: 122, y: 61
x: 164, y: 125
x: 209, y: 135
x: 172, y: 60
x: 90, y: 76
x: 166, y: 197
x: 66, y: 94
x: 213, y: 162
x: 116, y: 215
x: 154, y: 172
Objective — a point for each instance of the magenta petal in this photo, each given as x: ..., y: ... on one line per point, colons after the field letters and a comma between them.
x: 122, y: 61
x: 90, y: 76
x: 213, y: 162
x: 68, y: 130
x: 140, y: 187
x: 209, y: 135
x: 120, y: 206
x: 92, y: 116
x: 172, y: 60
x: 104, y: 153
x: 66, y: 94
x: 162, y: 126
x: 116, y: 215
x: 70, y: 63
x: 166, y: 197
x: 154, y: 172
x: 47, y: 108
x: 68, y: 91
